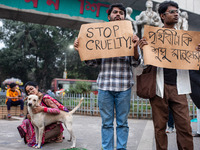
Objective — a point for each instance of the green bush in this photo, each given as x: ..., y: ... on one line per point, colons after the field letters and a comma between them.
x: 80, y: 87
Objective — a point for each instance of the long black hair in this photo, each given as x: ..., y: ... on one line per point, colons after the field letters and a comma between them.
x: 30, y: 83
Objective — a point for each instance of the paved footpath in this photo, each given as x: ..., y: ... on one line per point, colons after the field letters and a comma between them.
x: 88, y: 132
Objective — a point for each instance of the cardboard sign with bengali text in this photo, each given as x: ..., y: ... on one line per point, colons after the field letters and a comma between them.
x: 105, y: 40
x: 170, y: 48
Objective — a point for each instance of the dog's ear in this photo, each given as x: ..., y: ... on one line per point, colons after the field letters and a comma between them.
x: 25, y: 98
x: 40, y: 96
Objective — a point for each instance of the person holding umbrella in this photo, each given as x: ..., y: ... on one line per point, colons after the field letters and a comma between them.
x: 14, y: 98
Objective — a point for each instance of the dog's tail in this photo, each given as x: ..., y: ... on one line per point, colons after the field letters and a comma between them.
x: 79, y: 104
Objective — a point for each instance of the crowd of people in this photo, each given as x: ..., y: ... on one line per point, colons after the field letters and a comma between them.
x: 115, y: 81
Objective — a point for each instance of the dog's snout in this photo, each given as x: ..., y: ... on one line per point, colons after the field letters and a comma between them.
x: 30, y: 104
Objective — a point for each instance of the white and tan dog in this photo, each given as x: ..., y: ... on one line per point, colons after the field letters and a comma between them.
x: 42, y: 119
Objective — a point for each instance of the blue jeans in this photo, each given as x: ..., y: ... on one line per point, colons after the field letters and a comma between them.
x: 120, y: 101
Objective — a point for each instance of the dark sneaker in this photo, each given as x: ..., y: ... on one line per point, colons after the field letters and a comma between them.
x: 9, y: 116
x: 195, y: 134
x: 21, y: 115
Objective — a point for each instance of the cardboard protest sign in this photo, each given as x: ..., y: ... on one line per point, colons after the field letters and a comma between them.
x: 105, y: 40
x: 168, y: 48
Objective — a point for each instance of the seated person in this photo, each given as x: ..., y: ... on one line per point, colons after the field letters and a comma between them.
x: 61, y: 92
x: 51, y: 93
x: 53, y: 132
x: 13, y: 98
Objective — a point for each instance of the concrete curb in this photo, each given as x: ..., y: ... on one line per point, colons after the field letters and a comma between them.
x: 146, y: 142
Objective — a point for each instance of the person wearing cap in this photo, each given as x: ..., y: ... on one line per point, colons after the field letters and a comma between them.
x: 13, y: 98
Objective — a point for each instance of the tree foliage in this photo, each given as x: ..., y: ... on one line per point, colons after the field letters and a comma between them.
x: 37, y: 52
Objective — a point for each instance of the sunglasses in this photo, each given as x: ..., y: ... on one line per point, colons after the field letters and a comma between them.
x: 172, y: 11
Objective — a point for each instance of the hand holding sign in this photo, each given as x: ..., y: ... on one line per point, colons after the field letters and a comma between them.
x: 198, y: 47
x: 76, y: 44
x: 142, y: 43
x: 104, y: 40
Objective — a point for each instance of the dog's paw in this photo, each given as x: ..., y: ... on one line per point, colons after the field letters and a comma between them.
x: 37, y: 147
x: 34, y: 145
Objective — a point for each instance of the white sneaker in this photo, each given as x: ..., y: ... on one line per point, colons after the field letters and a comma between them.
x: 170, y: 130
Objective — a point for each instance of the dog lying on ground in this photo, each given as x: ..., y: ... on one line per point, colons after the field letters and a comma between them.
x: 42, y: 119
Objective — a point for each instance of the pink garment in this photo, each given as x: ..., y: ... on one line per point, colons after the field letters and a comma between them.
x: 27, y: 132
x: 60, y: 106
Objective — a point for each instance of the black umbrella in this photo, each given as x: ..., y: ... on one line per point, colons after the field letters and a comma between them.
x: 195, y: 85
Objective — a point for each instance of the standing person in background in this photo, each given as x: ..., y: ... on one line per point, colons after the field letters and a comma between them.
x: 61, y: 92
x: 114, y: 83
x: 14, y: 98
x: 51, y: 93
x: 172, y: 85
x: 170, y: 122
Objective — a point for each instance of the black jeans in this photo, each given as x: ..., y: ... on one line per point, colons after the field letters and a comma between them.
x: 171, y: 119
x: 15, y: 103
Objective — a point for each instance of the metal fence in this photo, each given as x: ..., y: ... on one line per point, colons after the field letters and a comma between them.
x: 140, y: 108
